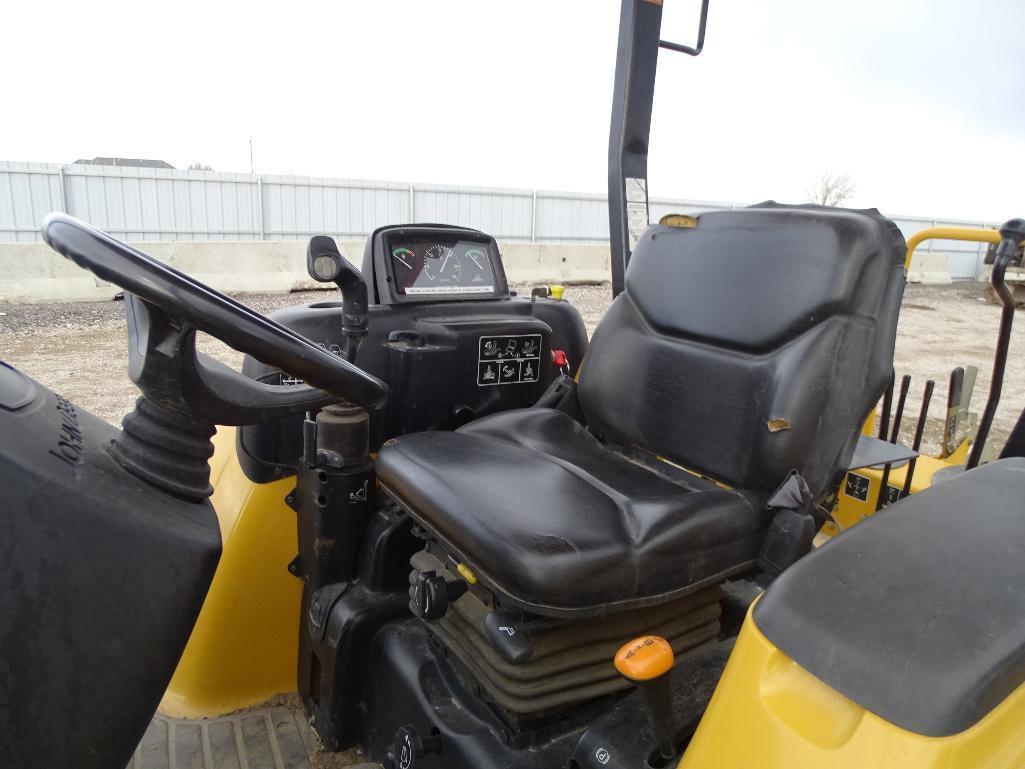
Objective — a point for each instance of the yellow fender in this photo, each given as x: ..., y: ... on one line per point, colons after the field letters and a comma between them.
x: 244, y: 647
x: 767, y: 711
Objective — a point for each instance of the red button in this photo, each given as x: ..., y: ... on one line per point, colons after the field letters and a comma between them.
x: 559, y: 358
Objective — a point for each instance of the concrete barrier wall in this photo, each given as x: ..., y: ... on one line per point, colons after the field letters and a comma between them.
x: 33, y: 272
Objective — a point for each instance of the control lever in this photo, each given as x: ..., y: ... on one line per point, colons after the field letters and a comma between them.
x: 1012, y: 233
x: 884, y: 494
x: 647, y: 662
x: 909, y: 473
x: 325, y: 264
x: 955, y: 390
x: 506, y: 637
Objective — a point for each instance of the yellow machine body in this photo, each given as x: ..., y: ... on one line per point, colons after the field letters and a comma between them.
x: 767, y: 711
x: 860, y: 503
x: 244, y: 648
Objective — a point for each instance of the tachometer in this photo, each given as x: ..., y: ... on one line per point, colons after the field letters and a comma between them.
x: 442, y: 265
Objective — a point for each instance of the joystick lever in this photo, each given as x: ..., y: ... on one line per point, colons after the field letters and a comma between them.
x: 647, y: 662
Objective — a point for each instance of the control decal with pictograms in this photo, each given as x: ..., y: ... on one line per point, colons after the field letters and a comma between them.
x: 892, y: 495
x: 509, y: 360
x: 856, y: 486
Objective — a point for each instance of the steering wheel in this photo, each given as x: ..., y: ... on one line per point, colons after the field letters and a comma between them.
x: 215, y: 391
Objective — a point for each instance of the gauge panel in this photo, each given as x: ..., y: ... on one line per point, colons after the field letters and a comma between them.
x: 432, y: 266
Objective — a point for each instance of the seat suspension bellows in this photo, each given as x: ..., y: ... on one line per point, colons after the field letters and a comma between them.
x: 570, y: 661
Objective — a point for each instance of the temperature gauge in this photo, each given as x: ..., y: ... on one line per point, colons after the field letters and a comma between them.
x: 479, y: 258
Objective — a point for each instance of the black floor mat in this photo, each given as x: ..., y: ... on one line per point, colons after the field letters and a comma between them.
x: 275, y: 737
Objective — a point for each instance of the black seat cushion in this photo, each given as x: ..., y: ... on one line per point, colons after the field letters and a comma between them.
x: 562, y: 525
x: 917, y: 615
x: 751, y: 345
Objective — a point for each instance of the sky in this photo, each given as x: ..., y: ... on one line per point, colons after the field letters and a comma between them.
x: 921, y: 103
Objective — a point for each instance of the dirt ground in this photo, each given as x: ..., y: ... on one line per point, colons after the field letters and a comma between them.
x: 79, y: 349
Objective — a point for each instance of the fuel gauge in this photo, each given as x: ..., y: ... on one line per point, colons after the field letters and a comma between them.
x: 404, y: 256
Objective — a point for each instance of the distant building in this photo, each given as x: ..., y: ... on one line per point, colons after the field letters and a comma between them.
x: 129, y: 162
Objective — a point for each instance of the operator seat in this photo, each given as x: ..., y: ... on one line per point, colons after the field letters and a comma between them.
x: 741, y: 349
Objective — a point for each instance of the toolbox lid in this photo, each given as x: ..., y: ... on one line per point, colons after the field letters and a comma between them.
x: 918, y: 614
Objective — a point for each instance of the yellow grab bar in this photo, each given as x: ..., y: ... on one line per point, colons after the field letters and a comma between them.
x: 974, y: 234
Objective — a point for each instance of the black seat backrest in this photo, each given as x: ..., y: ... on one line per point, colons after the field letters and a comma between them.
x: 752, y: 344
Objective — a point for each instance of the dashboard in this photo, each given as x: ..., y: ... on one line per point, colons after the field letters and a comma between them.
x: 445, y: 332
x: 439, y: 266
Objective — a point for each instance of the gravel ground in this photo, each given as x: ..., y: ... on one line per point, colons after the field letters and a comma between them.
x: 78, y: 349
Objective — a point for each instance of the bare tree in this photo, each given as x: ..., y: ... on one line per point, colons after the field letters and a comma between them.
x: 200, y: 167
x: 831, y: 189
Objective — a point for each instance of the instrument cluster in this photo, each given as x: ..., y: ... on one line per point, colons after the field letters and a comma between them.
x: 433, y: 267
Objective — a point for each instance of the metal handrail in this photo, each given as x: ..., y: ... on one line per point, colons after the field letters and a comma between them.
x: 973, y: 234
x: 690, y: 51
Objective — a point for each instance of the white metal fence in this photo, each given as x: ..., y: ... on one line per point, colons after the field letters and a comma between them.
x: 158, y: 204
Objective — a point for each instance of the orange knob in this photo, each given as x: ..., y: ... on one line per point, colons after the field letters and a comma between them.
x: 645, y: 658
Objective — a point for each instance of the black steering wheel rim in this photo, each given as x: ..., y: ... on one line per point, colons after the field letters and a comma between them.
x: 208, y: 310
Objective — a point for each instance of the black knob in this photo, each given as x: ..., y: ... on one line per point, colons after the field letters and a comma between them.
x: 462, y: 414
x: 430, y: 594
x: 1013, y: 229
x: 409, y: 747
